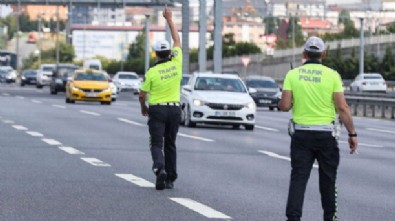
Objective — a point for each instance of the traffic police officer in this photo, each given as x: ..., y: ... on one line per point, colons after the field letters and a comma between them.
x: 315, y: 94
x: 162, y: 82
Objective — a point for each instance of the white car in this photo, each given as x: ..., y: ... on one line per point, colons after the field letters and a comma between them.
x: 217, y: 99
x: 127, y: 81
x: 44, y: 75
x: 114, y: 89
x: 373, y: 82
x: 9, y: 75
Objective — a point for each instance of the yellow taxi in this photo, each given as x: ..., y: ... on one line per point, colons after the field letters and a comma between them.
x: 88, y: 85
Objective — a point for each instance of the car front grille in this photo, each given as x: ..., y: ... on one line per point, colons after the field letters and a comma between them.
x: 217, y: 106
x: 224, y: 118
x: 91, y: 90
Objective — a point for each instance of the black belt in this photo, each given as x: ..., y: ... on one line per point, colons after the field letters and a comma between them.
x: 166, y: 104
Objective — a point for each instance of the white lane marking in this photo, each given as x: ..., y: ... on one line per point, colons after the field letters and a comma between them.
x: 20, y: 97
x: 58, y: 106
x: 8, y: 121
x: 6, y: 94
x: 200, y: 208
x: 381, y: 130
x: 274, y: 155
x: 95, y: 162
x: 19, y: 127
x: 51, y: 142
x: 195, y: 137
x: 267, y: 128
x: 36, y: 101
x: 363, y: 144
x: 130, y: 122
x: 71, y: 150
x: 90, y: 113
x: 135, y: 180
x: 34, y: 134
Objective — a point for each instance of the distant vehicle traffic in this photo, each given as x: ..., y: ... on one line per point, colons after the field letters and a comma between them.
x: 60, y: 77
x: 372, y: 82
x: 217, y: 99
x: 31, y: 38
x: 8, y: 59
x: 94, y: 64
x: 88, y: 85
x: 29, y: 77
x: 267, y: 93
x: 44, y: 75
x: 7, y: 74
x: 127, y: 81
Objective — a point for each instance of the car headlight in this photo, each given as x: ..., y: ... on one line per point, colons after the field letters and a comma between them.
x: 198, y: 102
x: 75, y: 88
x: 23, y: 78
x: 250, y: 105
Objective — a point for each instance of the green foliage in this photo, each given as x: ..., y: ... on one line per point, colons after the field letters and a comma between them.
x: 387, y: 67
x: 272, y: 24
x: 66, y: 55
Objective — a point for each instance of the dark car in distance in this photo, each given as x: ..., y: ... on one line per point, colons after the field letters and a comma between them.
x: 267, y: 94
x: 60, y: 77
x: 29, y: 77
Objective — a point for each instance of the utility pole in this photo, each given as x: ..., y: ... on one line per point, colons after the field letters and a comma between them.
x: 202, y: 36
x: 147, y: 28
x: 362, y: 48
x: 39, y: 39
x: 57, y: 37
x: 218, y: 36
x: 293, y: 40
x: 185, y: 36
x: 124, y: 36
x: 17, y: 35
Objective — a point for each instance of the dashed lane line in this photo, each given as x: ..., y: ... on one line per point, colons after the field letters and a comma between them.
x: 267, y: 128
x: 130, y: 122
x: 95, y: 162
x: 274, y: 155
x: 201, y: 208
x: 20, y: 97
x: 36, y: 101
x: 90, y: 113
x: 6, y: 94
x: 34, y: 134
x: 381, y: 130
x: 195, y: 137
x: 71, y: 150
x: 59, y: 106
x: 19, y: 127
x: 51, y: 142
x: 135, y: 180
x: 8, y: 121
x: 362, y: 144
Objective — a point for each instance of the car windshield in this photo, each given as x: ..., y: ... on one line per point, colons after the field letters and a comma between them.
x: 184, y: 80
x: 370, y: 77
x: 66, y: 71
x: 261, y: 84
x: 30, y: 73
x: 95, y: 67
x: 48, y: 69
x: 90, y: 77
x: 127, y: 76
x: 219, y: 84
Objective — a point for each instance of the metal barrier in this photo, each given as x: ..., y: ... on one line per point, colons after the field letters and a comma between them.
x: 372, y: 106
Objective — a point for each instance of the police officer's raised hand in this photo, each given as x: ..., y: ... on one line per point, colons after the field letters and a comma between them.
x: 144, y: 110
x: 353, y: 142
x: 167, y: 14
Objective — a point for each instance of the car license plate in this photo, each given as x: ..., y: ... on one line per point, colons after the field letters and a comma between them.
x: 225, y: 113
x: 374, y: 83
x: 263, y: 101
x: 90, y: 94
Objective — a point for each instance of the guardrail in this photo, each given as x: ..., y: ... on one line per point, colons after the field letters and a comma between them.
x: 372, y: 106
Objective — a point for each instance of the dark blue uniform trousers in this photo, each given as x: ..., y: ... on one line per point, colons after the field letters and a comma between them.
x: 163, y: 126
x: 306, y: 146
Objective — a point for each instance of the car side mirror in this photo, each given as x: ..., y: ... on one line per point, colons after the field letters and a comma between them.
x: 187, y: 88
x: 252, y: 90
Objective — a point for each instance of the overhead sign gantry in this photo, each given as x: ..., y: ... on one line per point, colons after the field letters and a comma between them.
x: 92, y: 2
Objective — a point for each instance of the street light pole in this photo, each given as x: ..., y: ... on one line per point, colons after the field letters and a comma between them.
x: 362, y: 48
x: 147, y: 28
x: 17, y: 35
x: 57, y: 37
x: 293, y: 40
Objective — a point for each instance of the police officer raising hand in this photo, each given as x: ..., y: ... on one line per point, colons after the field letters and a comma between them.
x: 162, y: 82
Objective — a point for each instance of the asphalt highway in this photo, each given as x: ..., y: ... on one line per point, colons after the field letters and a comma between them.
x: 87, y: 161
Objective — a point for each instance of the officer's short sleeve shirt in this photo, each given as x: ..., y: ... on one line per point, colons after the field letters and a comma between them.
x: 312, y: 87
x: 163, y: 80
